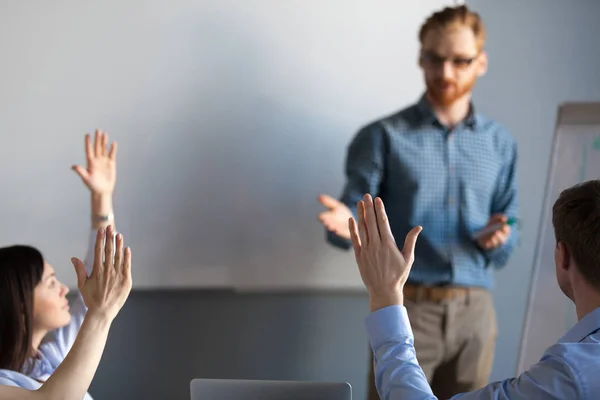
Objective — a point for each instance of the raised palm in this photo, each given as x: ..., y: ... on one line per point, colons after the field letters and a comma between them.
x: 100, y: 175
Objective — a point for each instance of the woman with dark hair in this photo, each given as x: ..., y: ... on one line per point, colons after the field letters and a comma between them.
x: 104, y: 291
x: 37, y: 328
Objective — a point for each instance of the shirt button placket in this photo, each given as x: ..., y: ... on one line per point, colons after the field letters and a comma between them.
x: 452, y: 194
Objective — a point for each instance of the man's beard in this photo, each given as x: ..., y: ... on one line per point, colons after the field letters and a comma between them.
x: 445, y: 92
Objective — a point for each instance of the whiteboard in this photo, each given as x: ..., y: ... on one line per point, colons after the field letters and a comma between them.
x: 231, y: 117
x: 575, y: 158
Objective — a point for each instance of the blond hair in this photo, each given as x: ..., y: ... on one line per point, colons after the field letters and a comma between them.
x: 453, y: 17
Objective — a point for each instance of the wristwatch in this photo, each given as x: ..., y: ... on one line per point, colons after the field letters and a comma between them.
x: 103, y: 218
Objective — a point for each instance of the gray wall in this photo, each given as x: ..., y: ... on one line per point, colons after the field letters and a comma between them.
x: 542, y: 53
x: 162, y: 340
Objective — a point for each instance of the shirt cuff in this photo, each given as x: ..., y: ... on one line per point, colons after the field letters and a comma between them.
x: 387, y: 323
x: 338, y: 241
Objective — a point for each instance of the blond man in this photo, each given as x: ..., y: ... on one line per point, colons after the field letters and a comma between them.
x: 442, y: 165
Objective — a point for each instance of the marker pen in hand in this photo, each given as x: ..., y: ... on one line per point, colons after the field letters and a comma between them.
x: 492, y: 228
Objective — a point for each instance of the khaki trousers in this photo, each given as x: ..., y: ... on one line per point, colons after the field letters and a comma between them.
x: 454, y: 341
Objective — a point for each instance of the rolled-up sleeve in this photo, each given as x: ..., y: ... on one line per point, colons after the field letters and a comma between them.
x: 364, y: 171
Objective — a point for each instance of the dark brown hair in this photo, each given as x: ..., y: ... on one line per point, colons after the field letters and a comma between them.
x: 576, y: 220
x: 451, y: 17
x: 21, y: 269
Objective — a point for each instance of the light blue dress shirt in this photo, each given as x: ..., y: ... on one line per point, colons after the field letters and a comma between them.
x: 569, y: 370
x: 55, y: 346
x: 448, y: 181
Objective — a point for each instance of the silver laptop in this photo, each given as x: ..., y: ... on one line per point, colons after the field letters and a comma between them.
x: 234, y: 389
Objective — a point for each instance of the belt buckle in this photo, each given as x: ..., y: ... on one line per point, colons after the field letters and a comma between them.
x: 442, y: 294
x: 446, y: 292
x: 431, y: 294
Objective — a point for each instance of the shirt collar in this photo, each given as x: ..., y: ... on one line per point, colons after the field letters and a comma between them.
x: 583, y: 328
x: 428, y: 116
x: 37, y: 367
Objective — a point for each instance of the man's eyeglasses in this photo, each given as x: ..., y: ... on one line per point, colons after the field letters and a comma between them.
x: 433, y: 60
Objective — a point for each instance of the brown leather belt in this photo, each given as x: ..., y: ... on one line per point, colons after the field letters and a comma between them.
x: 435, y: 294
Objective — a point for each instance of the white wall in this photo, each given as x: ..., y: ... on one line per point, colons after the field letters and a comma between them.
x: 231, y: 117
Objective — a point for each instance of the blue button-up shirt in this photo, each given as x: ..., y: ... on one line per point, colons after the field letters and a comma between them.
x: 448, y: 181
x: 568, y: 370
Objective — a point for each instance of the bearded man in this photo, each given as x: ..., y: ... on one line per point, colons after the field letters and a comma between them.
x: 442, y: 165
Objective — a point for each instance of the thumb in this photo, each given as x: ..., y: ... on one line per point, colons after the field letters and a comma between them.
x: 80, y: 271
x: 328, y: 201
x: 408, y: 251
x: 82, y: 172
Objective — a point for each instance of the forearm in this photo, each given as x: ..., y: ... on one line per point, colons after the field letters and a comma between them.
x: 72, y: 378
x: 102, y: 210
x: 102, y: 215
x: 506, y: 202
x: 101, y: 205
